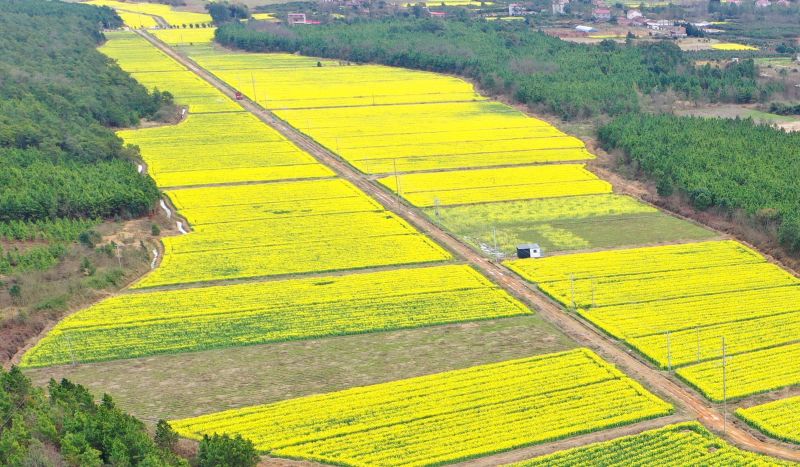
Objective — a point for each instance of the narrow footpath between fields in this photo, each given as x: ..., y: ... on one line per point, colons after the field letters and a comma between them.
x: 582, y: 333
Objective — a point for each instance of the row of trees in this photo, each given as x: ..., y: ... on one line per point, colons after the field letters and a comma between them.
x: 730, y: 164
x: 64, y: 426
x: 59, y: 98
x: 570, y: 80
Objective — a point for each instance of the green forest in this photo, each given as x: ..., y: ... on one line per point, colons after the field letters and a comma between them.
x: 728, y: 164
x: 63, y: 425
x: 59, y: 99
x: 566, y: 79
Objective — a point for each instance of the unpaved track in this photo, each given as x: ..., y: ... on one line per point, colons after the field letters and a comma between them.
x: 584, y: 334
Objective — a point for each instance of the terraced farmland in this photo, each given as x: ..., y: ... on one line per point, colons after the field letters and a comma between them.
x: 672, y: 446
x: 675, y: 303
x: 444, y: 417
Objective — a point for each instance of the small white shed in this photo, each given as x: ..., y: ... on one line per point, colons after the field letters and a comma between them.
x: 529, y: 250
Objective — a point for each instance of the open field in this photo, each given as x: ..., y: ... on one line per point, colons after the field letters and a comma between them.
x: 171, y: 15
x: 672, y: 446
x: 503, y: 184
x: 444, y: 417
x: 136, y: 325
x: 560, y: 224
x: 675, y: 303
x: 777, y: 419
x: 190, y: 384
x: 285, y: 228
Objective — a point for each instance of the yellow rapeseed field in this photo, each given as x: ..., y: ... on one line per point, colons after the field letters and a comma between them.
x: 777, y: 419
x: 441, y: 122
x: 675, y: 304
x: 172, y: 16
x: 503, y: 184
x: 732, y: 46
x: 137, y: 20
x: 185, y: 36
x: 443, y: 417
x: 285, y: 228
x: 677, y: 445
x: 136, y: 325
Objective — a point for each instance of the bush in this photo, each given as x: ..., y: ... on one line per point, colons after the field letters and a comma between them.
x: 225, y: 451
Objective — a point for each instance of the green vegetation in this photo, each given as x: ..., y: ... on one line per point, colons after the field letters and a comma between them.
x: 560, y: 224
x: 58, y: 98
x: 729, y: 164
x: 226, y: 451
x: 64, y: 426
x: 570, y: 80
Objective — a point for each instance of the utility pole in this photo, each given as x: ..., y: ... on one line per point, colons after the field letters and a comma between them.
x: 69, y: 346
x: 724, y: 389
x: 436, y: 208
x: 572, y: 290
x: 396, y: 180
x: 253, y: 84
x: 593, y: 303
x: 698, y: 343
x: 669, y: 351
x: 494, y: 237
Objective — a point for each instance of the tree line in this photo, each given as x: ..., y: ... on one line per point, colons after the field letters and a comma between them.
x: 59, y: 101
x: 567, y: 79
x: 728, y: 164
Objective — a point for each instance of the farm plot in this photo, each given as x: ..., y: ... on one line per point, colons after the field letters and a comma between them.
x: 285, y: 81
x: 778, y: 419
x: 672, y: 446
x: 380, y: 139
x: 436, y: 129
x: 559, y: 224
x: 170, y: 15
x: 137, y: 20
x: 154, y: 69
x: 185, y: 36
x: 219, y: 148
x: 675, y: 303
x: 285, y: 228
x: 503, y: 184
x: 747, y: 374
x: 144, y: 324
x: 443, y: 417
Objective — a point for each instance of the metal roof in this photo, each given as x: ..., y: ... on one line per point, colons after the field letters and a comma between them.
x: 528, y: 246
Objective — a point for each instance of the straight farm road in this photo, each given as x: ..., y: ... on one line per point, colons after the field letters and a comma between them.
x: 694, y: 404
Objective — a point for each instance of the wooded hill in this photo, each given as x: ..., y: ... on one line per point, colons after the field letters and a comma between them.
x: 59, y: 98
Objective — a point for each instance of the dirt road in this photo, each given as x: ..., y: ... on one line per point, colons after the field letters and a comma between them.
x: 584, y: 334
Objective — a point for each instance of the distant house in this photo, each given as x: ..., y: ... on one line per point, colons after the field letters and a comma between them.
x: 631, y: 14
x: 601, y: 14
x: 783, y: 3
x: 762, y: 3
x: 529, y: 250
x: 559, y: 7
x: 660, y: 25
x: 437, y: 14
x: 516, y: 9
x: 296, y: 18
x: 585, y: 29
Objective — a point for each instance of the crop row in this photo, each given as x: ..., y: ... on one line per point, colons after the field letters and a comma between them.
x: 444, y: 417
x: 672, y: 446
x: 503, y: 184
x: 778, y: 419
